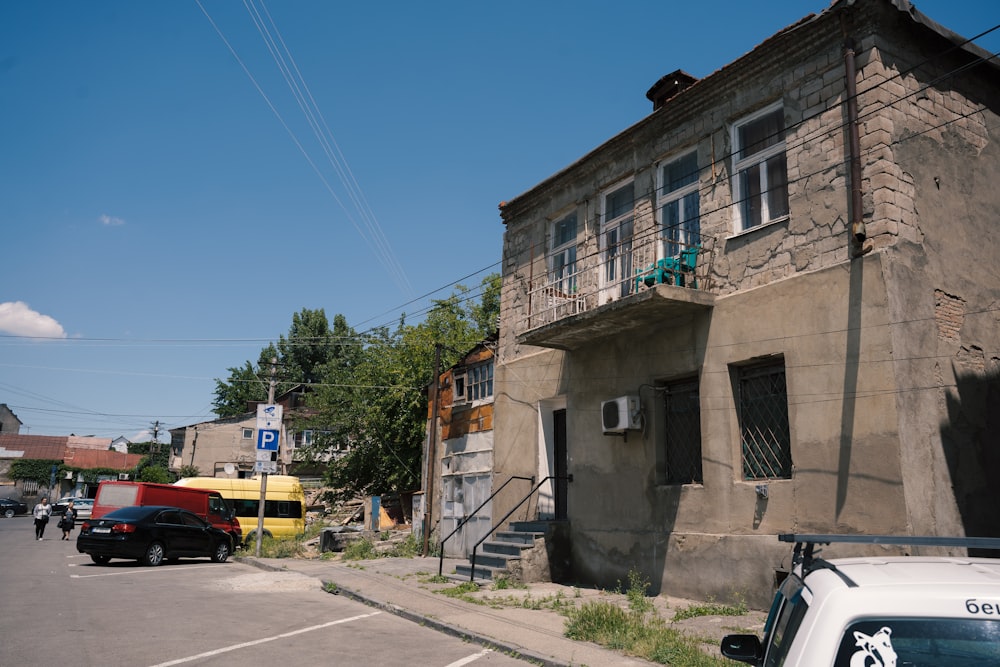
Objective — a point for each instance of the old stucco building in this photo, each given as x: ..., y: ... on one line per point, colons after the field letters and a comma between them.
x: 829, y: 364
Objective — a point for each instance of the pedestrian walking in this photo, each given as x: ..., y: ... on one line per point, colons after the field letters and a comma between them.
x: 68, y: 521
x: 42, y: 512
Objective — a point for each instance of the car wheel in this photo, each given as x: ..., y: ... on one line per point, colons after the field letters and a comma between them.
x: 154, y: 555
x: 100, y: 560
x: 252, y: 537
x: 9, y: 513
x: 221, y: 553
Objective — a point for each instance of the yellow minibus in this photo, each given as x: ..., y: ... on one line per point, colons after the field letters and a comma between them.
x: 284, y: 504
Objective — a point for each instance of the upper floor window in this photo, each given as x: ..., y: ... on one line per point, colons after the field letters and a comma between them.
x: 760, y: 188
x: 678, y: 204
x: 563, y: 256
x: 474, y: 383
x: 480, y: 381
x: 618, y: 207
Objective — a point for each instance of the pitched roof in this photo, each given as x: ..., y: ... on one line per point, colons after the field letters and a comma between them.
x: 109, y: 458
x: 48, y: 447
x: 88, y: 442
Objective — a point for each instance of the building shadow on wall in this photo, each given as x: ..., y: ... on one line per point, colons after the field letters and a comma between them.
x: 970, y: 439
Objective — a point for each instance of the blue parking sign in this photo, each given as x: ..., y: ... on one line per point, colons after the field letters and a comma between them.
x: 267, y: 439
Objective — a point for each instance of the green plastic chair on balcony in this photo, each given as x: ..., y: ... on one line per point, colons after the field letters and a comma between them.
x: 676, y: 268
x: 651, y: 275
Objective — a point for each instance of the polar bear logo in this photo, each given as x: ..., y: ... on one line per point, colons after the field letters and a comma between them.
x: 874, y: 651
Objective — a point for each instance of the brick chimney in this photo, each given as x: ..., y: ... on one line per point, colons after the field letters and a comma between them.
x: 668, y: 86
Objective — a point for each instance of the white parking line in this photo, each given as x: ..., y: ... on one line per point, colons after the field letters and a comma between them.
x: 235, y: 647
x: 471, y: 658
x: 144, y: 570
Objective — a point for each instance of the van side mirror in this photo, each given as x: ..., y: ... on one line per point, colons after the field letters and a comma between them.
x: 744, y: 648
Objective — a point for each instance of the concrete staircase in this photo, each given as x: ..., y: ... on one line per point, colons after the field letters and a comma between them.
x: 494, y: 557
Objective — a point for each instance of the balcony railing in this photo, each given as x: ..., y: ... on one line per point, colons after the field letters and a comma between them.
x: 563, y: 293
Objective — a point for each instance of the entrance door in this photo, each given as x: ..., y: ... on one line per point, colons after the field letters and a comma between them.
x: 561, y: 464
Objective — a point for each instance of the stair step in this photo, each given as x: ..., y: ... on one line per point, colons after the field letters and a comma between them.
x: 518, y: 537
x: 530, y: 526
x: 498, y: 561
x: 487, y: 573
x: 506, y: 548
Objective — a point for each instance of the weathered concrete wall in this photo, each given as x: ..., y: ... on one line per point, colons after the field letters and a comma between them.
x: 842, y: 420
x: 892, y: 360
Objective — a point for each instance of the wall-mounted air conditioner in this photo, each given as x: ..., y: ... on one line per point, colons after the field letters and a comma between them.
x: 123, y: 477
x: 621, y: 414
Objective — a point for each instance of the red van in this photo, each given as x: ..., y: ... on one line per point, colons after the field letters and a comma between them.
x: 209, y: 505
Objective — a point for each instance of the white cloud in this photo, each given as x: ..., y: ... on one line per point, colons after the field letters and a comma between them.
x: 18, y: 319
x: 111, y: 221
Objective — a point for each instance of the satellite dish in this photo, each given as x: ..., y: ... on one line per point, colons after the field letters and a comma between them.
x: 229, y: 468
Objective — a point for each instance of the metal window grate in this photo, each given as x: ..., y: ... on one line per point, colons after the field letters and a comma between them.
x: 683, y: 433
x: 766, y: 441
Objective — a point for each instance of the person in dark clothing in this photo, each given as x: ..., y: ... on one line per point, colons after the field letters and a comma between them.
x: 68, y: 521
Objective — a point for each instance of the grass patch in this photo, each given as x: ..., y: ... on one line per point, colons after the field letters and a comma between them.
x: 502, y: 582
x: 363, y: 549
x: 711, y: 608
x: 462, y: 592
x: 636, y: 593
x: 636, y: 633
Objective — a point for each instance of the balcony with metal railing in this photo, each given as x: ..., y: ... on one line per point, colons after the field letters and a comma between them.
x: 639, y: 282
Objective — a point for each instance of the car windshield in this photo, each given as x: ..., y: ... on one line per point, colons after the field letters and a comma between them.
x: 955, y: 642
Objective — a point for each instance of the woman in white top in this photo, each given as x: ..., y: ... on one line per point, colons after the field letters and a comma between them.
x: 42, y: 511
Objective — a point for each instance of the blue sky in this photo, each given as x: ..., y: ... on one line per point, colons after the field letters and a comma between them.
x: 166, y: 205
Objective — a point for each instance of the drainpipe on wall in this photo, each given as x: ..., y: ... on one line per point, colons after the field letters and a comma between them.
x: 858, y: 233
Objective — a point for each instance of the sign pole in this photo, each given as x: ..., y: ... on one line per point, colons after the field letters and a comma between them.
x: 260, y: 442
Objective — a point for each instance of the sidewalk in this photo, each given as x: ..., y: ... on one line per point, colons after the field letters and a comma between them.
x: 403, y: 586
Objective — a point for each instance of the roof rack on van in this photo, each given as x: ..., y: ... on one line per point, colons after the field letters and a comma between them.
x: 809, y: 541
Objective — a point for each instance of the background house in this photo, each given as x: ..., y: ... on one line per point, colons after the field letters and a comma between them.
x: 76, y: 455
x: 460, y: 438
x: 787, y: 274
x: 227, y: 447
x: 9, y: 423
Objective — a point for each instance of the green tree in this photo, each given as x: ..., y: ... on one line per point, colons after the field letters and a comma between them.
x: 245, y: 384
x: 383, y: 416
x: 368, y: 392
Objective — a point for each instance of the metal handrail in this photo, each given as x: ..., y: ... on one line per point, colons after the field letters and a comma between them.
x: 474, y: 512
x: 568, y: 478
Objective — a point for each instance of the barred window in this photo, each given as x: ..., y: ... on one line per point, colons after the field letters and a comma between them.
x: 681, y: 460
x: 763, y: 416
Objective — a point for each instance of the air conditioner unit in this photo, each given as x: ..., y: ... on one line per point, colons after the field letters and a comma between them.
x: 621, y: 414
x: 122, y: 476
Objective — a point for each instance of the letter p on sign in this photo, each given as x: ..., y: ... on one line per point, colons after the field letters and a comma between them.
x: 267, y: 439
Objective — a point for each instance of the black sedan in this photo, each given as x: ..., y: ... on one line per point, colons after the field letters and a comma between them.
x: 151, y: 534
x: 9, y: 508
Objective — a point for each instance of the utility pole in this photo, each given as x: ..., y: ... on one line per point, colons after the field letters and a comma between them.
x: 263, y: 474
x: 432, y: 450
x: 156, y: 437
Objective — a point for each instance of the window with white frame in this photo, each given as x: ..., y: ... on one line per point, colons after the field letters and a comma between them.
x: 479, y: 380
x: 679, y: 204
x: 248, y: 434
x: 618, y: 206
x: 562, y: 260
x: 458, y: 395
x: 760, y: 187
